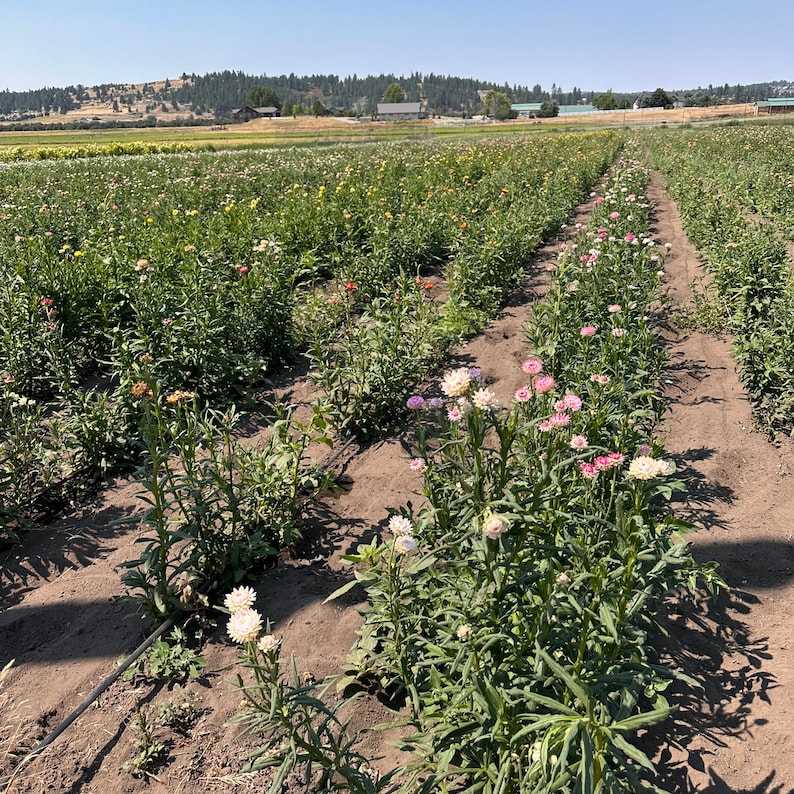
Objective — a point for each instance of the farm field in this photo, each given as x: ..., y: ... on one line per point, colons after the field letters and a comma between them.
x: 204, y: 330
x: 309, y: 131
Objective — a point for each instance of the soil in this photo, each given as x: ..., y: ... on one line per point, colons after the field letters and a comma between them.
x: 62, y: 624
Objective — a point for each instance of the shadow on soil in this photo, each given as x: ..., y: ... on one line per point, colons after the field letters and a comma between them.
x: 709, y: 642
x: 48, y: 552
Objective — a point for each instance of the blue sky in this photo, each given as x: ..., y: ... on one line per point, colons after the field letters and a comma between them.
x: 626, y: 46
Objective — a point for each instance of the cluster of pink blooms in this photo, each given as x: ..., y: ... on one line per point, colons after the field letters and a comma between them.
x: 591, y: 470
x: 540, y: 383
x: 50, y: 311
x: 561, y: 417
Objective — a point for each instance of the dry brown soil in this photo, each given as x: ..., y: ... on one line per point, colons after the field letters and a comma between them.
x: 61, y: 623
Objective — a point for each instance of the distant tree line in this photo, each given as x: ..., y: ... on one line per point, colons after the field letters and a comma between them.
x: 220, y: 92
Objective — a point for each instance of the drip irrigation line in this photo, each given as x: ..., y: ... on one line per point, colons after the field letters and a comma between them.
x: 112, y: 678
x: 6, y: 780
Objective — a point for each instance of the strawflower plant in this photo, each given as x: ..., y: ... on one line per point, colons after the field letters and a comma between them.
x: 517, y: 631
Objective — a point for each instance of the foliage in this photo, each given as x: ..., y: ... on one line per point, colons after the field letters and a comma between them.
x: 719, y: 180
x: 260, y: 96
x: 513, y: 612
x: 605, y: 101
x: 497, y: 106
x: 394, y: 93
x: 216, y: 507
x: 168, y: 660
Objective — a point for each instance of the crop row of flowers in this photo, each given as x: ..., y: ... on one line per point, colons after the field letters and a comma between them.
x: 719, y: 179
x: 510, y: 618
x: 200, y: 273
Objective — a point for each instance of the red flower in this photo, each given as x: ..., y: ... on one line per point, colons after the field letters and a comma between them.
x: 350, y: 286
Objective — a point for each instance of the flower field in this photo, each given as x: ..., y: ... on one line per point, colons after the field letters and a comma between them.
x: 735, y: 189
x: 148, y: 303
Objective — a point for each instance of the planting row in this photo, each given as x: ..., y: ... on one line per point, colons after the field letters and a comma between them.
x: 510, y: 618
x: 183, y: 280
x: 718, y: 179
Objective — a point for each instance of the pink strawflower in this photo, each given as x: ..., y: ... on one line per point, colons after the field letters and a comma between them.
x: 543, y: 383
x: 578, y: 442
x: 417, y: 464
x: 544, y: 426
x: 454, y: 414
x: 613, y: 308
x: 629, y: 238
x: 588, y: 330
x: 618, y: 332
x: 559, y: 406
x: 602, y: 463
x: 588, y: 470
x: 559, y: 420
x: 614, y: 215
x: 572, y: 402
x: 523, y: 394
x: 532, y: 366
x: 616, y: 458
x: 602, y: 380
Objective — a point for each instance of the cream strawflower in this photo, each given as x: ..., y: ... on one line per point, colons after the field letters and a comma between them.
x: 646, y: 468
x: 464, y: 632
x: 244, y: 625
x: 484, y: 399
x: 240, y: 598
x: 456, y: 382
x: 268, y: 643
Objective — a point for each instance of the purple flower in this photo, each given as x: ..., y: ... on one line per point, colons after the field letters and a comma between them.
x: 435, y: 402
x: 416, y: 403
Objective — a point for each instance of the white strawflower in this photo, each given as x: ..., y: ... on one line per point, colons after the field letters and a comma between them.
x: 456, y: 382
x: 244, y: 625
x: 400, y: 525
x: 405, y: 544
x: 240, y: 598
x: 464, y: 632
x: 268, y: 643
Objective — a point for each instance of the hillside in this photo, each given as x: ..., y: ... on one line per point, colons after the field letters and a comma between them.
x: 215, y: 94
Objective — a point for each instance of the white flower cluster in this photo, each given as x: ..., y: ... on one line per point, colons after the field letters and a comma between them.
x: 402, y: 529
x: 245, y: 622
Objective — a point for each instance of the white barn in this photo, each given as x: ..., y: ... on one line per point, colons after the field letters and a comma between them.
x: 399, y: 111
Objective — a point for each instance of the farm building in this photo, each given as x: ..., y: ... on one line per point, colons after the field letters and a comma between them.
x: 567, y: 110
x: 526, y: 110
x: 247, y: 113
x: 775, y: 105
x: 399, y: 111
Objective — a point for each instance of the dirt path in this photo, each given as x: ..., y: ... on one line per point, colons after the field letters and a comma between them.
x: 66, y: 633
x: 735, y: 735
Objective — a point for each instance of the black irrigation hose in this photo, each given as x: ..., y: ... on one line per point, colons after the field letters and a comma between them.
x: 128, y: 662
x: 59, y: 729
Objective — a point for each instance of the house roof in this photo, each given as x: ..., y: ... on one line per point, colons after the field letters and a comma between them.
x: 776, y: 102
x: 266, y: 110
x: 526, y: 106
x: 399, y: 107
